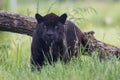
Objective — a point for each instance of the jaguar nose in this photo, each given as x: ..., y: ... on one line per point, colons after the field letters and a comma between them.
x: 50, y: 36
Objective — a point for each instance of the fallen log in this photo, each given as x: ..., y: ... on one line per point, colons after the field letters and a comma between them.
x: 17, y: 23
x: 104, y: 50
x: 25, y: 25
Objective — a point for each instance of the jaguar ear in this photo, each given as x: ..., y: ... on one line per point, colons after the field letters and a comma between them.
x: 39, y: 18
x: 63, y: 18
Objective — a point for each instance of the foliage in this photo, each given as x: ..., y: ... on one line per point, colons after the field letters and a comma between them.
x: 16, y: 67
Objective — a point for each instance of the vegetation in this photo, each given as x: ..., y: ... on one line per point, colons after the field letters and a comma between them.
x: 102, y: 17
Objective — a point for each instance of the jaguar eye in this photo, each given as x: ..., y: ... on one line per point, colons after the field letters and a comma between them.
x: 45, y: 26
x: 56, y: 27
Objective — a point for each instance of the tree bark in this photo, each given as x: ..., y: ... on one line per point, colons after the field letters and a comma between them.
x: 103, y: 50
x: 25, y: 25
x: 17, y: 23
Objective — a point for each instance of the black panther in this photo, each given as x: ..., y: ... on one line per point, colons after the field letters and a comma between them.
x: 55, y: 38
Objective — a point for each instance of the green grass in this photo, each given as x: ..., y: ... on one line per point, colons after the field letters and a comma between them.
x: 15, y: 48
x: 82, y: 68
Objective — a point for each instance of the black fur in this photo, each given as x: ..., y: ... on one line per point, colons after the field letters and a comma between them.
x: 55, y: 38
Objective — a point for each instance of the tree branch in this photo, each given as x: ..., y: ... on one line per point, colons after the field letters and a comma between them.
x: 17, y: 23
x: 104, y: 50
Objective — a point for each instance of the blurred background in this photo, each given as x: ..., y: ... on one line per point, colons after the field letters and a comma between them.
x: 101, y: 16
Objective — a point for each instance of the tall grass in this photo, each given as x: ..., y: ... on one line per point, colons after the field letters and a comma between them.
x: 86, y: 68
